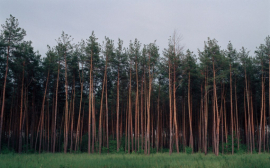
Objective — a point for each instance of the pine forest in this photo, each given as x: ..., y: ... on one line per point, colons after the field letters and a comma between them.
x: 106, y: 98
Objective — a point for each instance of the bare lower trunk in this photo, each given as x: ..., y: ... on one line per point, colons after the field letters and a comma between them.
x: 42, y: 112
x: 190, y: 115
x: 129, y: 112
x: 205, y: 114
x: 3, y: 98
x: 21, y: 113
x: 174, y: 110
x: 158, y: 124
x: 148, y: 107
x: 261, y: 118
x: 79, y: 116
x: 90, y: 103
x: 231, y: 108
x: 170, y: 104
x: 55, y: 110
x: 100, y: 115
x: 66, y: 108
x: 72, y: 115
x: 107, y: 116
x: 117, y: 114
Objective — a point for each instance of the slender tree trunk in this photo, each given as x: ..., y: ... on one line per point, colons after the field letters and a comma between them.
x: 10, y: 121
x: 264, y: 116
x: 268, y: 103
x: 107, y: 115
x: 72, y: 115
x: 93, y: 116
x: 90, y: 98
x: 261, y: 118
x: 117, y: 112
x: 82, y: 127
x: 148, y: 107
x: 252, y: 124
x: 66, y: 107
x: 145, y: 116
x: 201, y: 130
x: 205, y: 114
x: 236, y: 113
x: 129, y: 112
x: 222, y: 116
x: 158, y: 122
x: 245, y: 111
x: 142, y: 119
x: 174, y: 107
x: 48, y: 126
x: 136, y: 106
x: 218, y: 117
x: 121, y: 125
x: 100, y: 115
x: 170, y: 104
x: 231, y: 108
x: 126, y: 125
x: 79, y: 116
x: 190, y: 114
x: 52, y: 121
x: 21, y: 113
x: 4, y: 96
x: 101, y: 106
x: 55, y: 110
x: 42, y: 111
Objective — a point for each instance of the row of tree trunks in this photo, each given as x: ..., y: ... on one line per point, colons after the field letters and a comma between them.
x: 151, y: 120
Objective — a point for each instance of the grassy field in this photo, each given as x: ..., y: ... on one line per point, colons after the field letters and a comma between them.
x: 60, y: 160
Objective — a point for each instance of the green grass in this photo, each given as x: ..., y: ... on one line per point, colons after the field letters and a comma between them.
x: 60, y: 160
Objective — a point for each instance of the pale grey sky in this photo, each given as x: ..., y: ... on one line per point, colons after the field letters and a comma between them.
x: 243, y: 22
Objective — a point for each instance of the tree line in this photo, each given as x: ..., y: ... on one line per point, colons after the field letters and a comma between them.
x: 98, y: 97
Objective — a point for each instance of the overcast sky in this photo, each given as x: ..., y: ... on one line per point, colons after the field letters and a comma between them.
x: 243, y: 22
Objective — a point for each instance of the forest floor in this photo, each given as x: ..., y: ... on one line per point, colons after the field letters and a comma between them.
x: 60, y: 160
